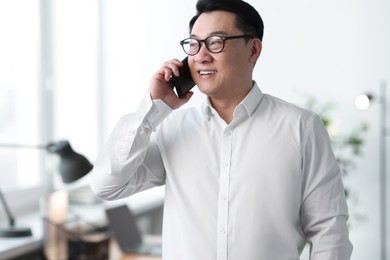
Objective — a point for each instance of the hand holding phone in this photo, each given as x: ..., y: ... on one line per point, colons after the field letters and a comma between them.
x: 184, y: 82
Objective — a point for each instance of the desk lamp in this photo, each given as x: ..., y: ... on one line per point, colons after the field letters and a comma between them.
x: 72, y: 166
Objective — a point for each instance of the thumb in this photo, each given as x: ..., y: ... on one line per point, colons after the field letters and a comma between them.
x: 186, y: 98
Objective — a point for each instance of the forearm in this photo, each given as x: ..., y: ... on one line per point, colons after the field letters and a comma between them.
x: 331, y: 241
x: 324, y: 211
x: 130, y: 162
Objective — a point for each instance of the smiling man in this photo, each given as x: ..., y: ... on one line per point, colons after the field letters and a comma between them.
x: 246, y: 175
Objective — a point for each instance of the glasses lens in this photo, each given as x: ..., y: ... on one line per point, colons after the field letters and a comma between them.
x: 214, y: 44
x: 190, y: 46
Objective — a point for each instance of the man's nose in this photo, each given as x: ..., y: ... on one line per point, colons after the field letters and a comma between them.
x: 203, y: 55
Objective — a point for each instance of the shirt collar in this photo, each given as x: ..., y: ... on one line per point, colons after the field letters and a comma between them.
x: 248, y: 105
x: 250, y: 102
x: 208, y: 109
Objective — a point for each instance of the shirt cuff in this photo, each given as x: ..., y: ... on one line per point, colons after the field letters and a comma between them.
x: 153, y: 111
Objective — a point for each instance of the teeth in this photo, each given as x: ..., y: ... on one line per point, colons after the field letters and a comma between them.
x: 207, y: 72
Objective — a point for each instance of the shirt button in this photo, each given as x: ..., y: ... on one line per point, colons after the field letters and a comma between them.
x: 224, y: 197
x: 229, y: 133
x: 226, y: 164
x: 222, y: 230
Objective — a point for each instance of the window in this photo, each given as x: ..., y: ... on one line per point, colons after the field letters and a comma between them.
x: 20, y: 94
x: 69, y: 70
x: 75, y: 68
x: 137, y: 37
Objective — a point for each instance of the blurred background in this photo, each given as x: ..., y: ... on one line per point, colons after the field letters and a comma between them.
x: 70, y: 69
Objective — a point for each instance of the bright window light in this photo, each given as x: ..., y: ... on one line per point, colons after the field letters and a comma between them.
x: 19, y: 93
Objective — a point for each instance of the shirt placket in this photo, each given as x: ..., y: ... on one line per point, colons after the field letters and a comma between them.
x: 223, y: 203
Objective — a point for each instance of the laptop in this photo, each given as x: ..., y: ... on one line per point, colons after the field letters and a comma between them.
x: 122, y: 224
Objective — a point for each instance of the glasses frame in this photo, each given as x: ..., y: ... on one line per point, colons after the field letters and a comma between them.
x: 224, y: 39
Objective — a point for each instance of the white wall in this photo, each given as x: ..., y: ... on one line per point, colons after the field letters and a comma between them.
x: 332, y: 50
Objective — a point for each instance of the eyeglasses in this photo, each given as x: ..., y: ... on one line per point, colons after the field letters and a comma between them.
x: 214, y: 43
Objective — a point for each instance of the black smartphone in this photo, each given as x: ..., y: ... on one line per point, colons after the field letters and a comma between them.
x: 184, y: 83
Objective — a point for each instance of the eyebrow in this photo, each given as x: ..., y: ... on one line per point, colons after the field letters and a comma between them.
x: 212, y: 33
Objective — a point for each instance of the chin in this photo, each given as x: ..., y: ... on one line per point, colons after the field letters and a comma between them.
x: 205, y: 88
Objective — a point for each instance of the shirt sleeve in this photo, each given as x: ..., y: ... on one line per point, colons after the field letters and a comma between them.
x: 130, y: 161
x: 324, y: 211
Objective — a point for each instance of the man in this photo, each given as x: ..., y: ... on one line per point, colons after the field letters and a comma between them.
x: 246, y: 175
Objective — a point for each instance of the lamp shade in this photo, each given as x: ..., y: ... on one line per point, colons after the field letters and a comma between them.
x: 72, y: 165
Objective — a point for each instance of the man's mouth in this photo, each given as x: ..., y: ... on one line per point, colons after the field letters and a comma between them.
x: 207, y: 72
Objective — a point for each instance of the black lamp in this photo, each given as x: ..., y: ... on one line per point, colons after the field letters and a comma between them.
x: 72, y: 166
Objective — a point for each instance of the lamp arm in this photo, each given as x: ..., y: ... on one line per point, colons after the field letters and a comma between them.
x: 33, y: 146
x: 11, y: 219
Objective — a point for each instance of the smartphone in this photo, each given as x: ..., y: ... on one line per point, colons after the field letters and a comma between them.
x: 184, y: 83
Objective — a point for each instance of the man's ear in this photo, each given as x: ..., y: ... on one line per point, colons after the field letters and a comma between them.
x: 256, y: 48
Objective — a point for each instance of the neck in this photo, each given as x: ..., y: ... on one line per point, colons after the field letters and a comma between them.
x: 225, y: 107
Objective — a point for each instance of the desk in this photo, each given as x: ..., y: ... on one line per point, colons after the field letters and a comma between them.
x: 140, y: 204
x: 134, y: 257
x: 116, y: 254
x: 138, y: 257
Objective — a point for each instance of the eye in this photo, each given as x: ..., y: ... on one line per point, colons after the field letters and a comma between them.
x: 215, y: 43
x: 192, y: 43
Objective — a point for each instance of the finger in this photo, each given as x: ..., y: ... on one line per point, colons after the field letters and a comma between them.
x: 172, y: 66
x: 167, y: 72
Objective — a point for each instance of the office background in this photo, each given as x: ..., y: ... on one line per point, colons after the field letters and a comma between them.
x: 70, y: 69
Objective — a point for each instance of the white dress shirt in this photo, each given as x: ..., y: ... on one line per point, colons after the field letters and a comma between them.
x: 258, y: 188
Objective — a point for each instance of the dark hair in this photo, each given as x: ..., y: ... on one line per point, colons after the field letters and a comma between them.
x: 247, y: 18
